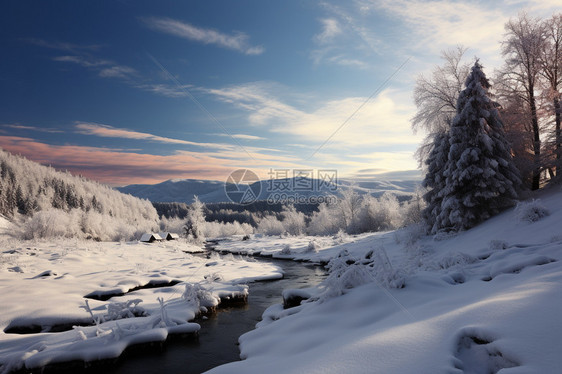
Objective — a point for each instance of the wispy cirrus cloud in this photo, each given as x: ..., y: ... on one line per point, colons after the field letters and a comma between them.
x: 241, y: 136
x: 83, y: 61
x: 104, y: 68
x: 340, y: 41
x: 167, y: 90
x: 238, y: 41
x: 439, y: 24
x: 62, y: 46
x: 106, y: 131
x: 330, y: 29
x: 32, y: 128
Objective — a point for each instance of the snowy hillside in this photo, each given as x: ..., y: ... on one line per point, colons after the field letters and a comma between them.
x: 184, y: 190
x: 54, y: 203
x: 486, y: 300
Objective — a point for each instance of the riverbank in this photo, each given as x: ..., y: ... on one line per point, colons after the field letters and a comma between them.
x: 217, y: 341
x: 102, y: 298
x: 479, y: 301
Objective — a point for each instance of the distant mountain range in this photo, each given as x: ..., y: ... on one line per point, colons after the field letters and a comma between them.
x: 184, y: 190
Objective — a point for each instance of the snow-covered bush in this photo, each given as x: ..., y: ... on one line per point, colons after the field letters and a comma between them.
x: 455, y: 259
x: 50, y: 223
x: 125, y: 309
x: 325, y: 221
x: 313, y: 247
x: 354, y: 214
x: 379, y: 214
x: 173, y: 224
x: 213, y: 230
x: 409, y: 235
x: 289, y: 222
x: 293, y: 222
x: 270, y: 225
x: 531, y: 211
x: 195, y: 295
x: 53, y: 223
x: 346, y: 272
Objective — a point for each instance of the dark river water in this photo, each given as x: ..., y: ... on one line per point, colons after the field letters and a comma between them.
x: 218, y: 338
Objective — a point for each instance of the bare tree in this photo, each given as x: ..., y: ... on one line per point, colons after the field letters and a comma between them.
x: 551, y: 69
x: 517, y: 126
x: 436, y: 98
x: 520, y: 76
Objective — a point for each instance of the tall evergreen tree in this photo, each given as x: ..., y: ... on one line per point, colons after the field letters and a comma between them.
x: 434, y: 180
x: 480, y: 178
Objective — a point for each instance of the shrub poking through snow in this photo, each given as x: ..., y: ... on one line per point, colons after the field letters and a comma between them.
x: 125, y: 309
x: 455, y: 259
x: 313, y: 247
x: 197, y: 296
x: 286, y: 250
x: 347, y: 272
x: 498, y: 244
x: 531, y: 211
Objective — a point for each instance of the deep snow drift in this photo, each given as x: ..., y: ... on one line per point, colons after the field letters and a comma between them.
x: 478, y: 302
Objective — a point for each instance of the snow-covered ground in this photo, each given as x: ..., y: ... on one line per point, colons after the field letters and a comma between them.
x: 43, y: 285
x: 483, y: 301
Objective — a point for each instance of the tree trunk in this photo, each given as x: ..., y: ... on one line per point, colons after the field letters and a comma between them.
x: 558, y: 135
x: 536, y: 139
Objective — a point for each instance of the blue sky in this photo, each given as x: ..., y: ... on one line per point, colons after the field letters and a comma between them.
x: 140, y: 92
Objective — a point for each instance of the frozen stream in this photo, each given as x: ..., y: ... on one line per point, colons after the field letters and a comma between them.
x: 218, y: 338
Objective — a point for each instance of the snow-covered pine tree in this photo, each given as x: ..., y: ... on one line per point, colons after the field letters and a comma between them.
x: 195, y: 222
x: 434, y: 180
x: 480, y: 176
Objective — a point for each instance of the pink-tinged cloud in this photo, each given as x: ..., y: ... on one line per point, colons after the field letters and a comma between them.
x: 106, y: 131
x: 116, y: 167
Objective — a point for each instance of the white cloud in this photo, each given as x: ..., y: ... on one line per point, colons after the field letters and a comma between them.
x: 439, y: 23
x: 344, y: 61
x: 383, y: 121
x: 330, y: 29
x: 256, y: 156
x: 238, y: 41
x: 83, y: 61
x: 117, y: 72
x: 242, y: 136
x: 172, y: 91
x: 105, y: 68
x: 32, y: 128
x: 62, y: 46
x: 106, y: 131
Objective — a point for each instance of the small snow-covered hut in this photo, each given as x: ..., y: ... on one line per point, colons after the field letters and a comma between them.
x: 168, y: 235
x: 149, y: 238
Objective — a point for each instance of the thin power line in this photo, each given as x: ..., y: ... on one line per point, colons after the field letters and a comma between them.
x: 376, y: 92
